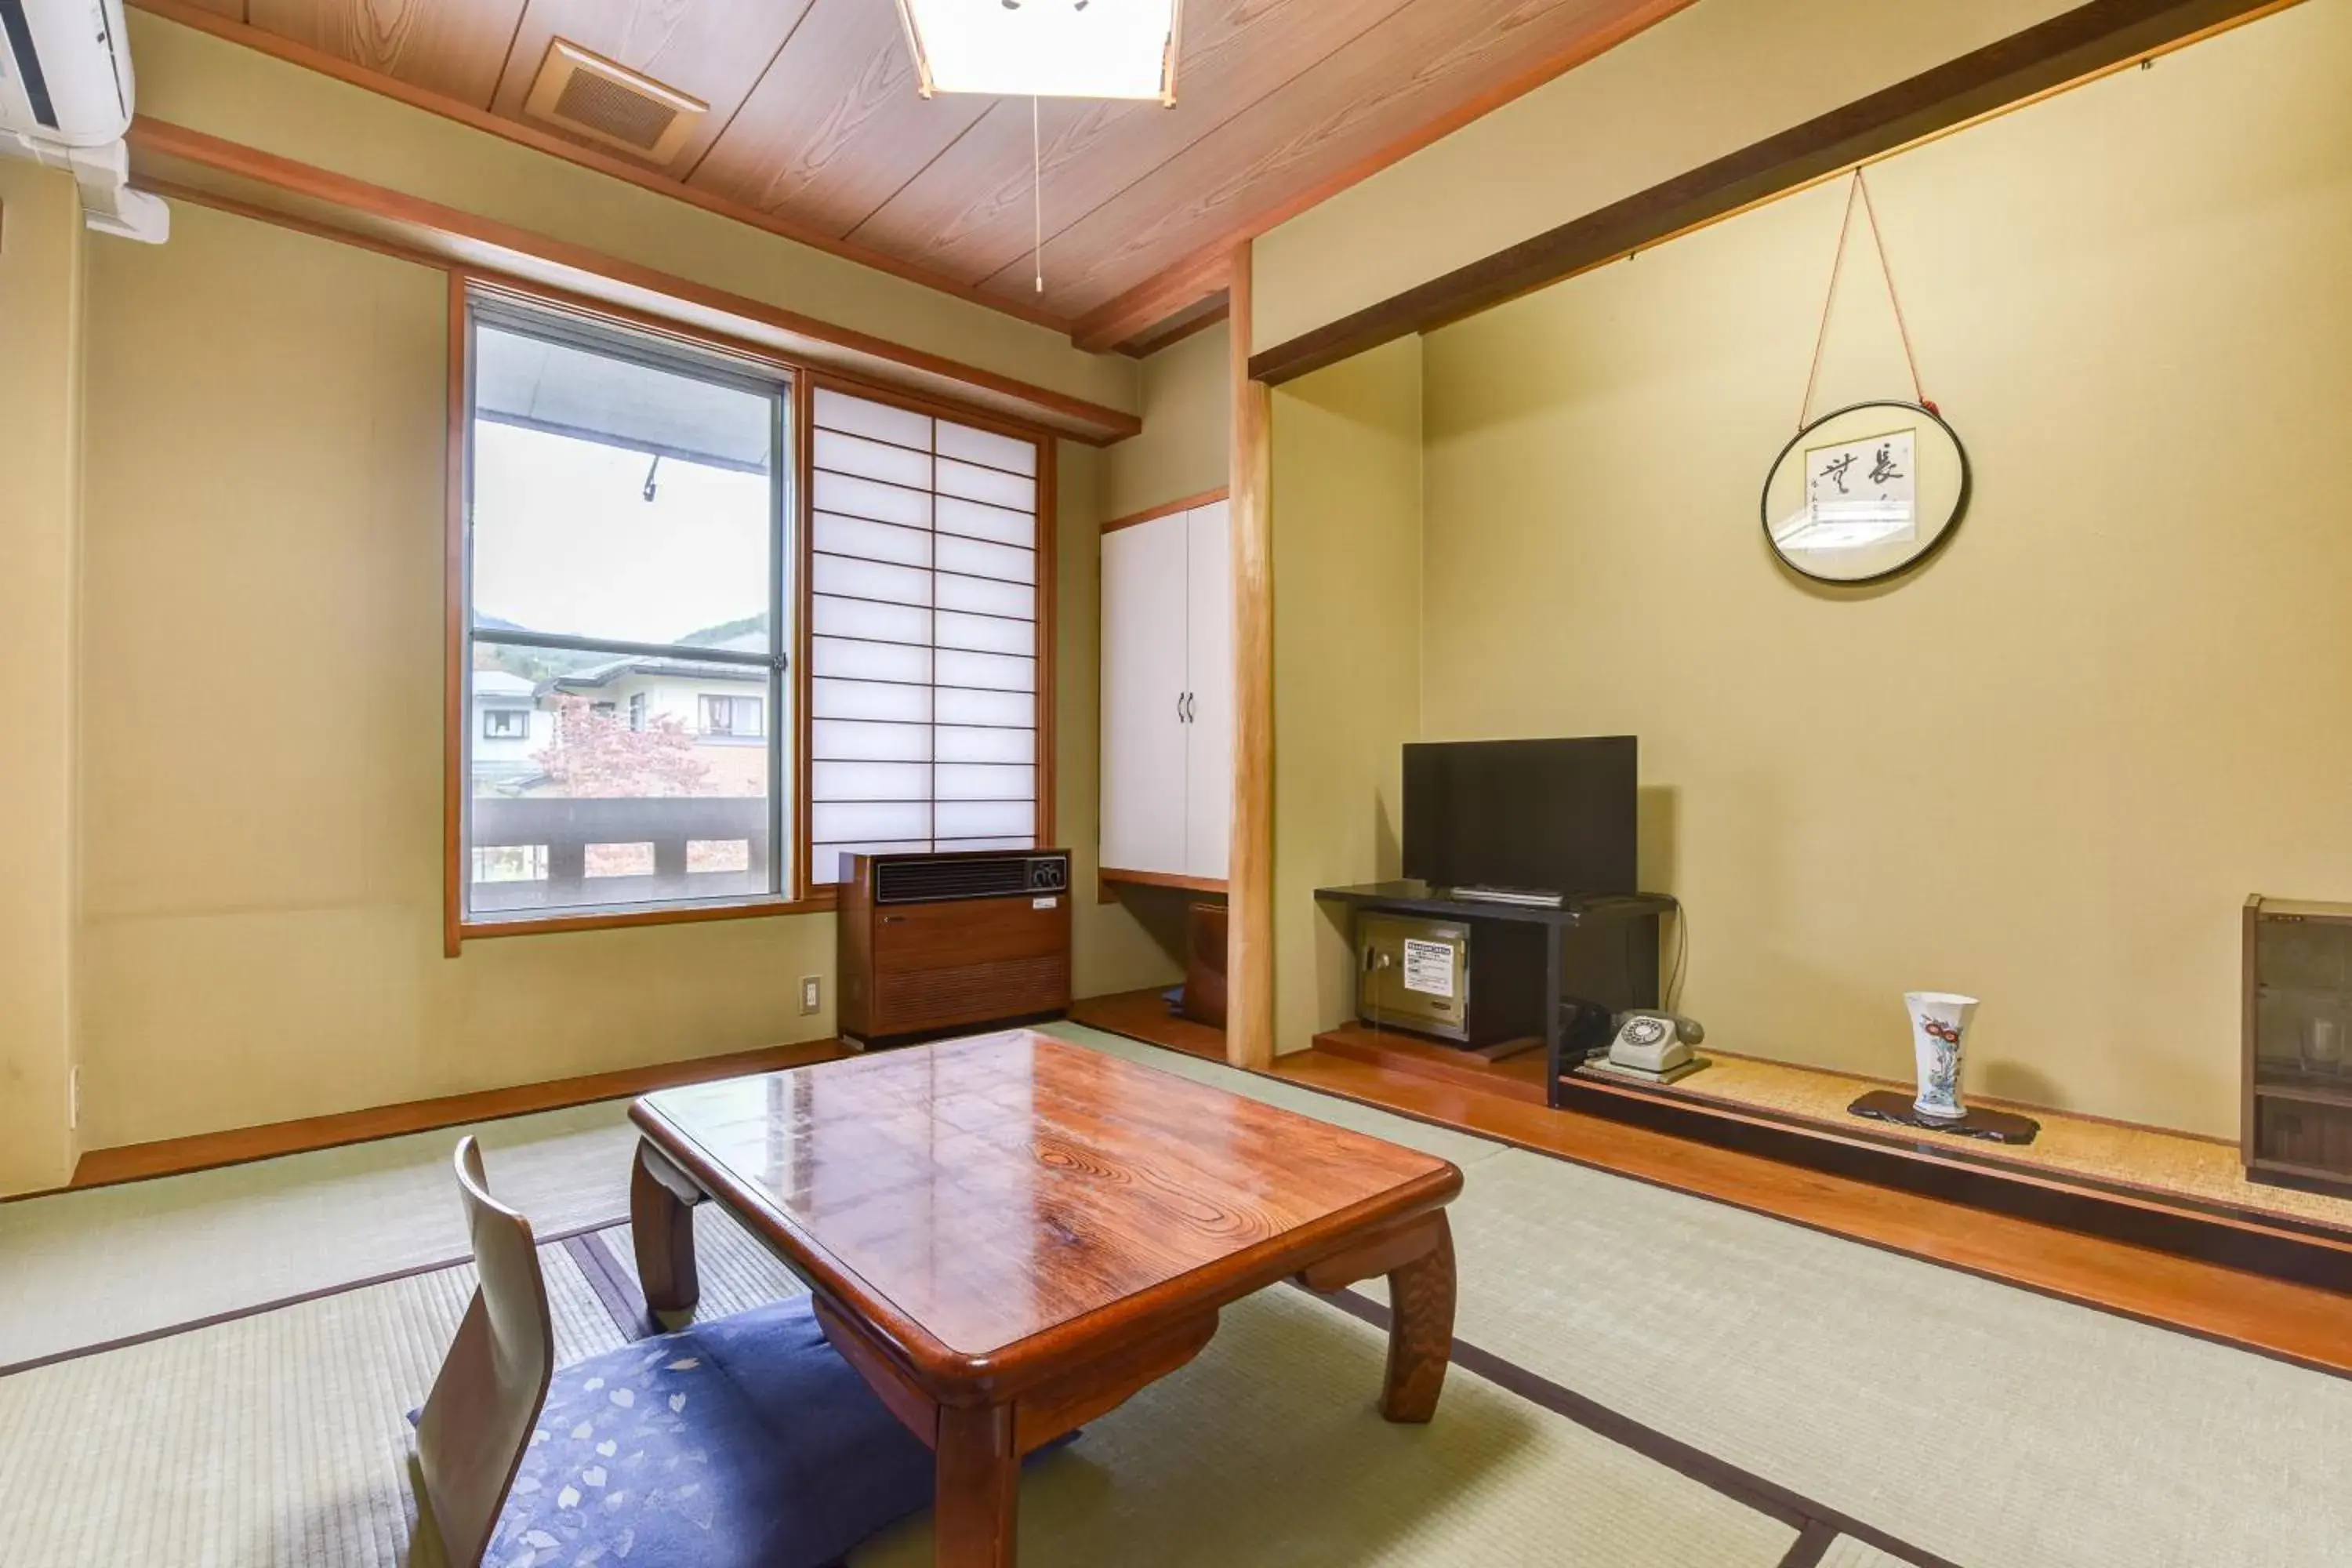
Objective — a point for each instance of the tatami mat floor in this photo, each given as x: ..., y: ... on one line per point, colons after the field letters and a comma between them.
x: 1913, y: 1414
x: 85, y: 1268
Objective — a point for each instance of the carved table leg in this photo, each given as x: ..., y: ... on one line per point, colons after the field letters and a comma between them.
x: 979, y: 1487
x: 1421, y: 1330
x: 661, y: 1222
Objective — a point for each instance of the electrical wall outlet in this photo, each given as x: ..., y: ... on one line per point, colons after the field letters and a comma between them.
x: 812, y: 993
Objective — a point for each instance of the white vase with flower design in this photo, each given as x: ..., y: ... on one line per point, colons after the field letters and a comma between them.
x: 1939, y: 1028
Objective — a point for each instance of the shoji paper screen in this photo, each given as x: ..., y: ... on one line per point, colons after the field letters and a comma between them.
x: 923, y: 652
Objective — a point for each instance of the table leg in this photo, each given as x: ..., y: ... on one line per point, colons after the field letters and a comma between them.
x: 1421, y: 1330
x: 661, y: 1222
x: 979, y: 1487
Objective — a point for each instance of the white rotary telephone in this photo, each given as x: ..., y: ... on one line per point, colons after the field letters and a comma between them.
x: 1654, y: 1042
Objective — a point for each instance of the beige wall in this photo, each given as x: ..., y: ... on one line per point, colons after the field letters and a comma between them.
x: 1188, y: 428
x: 41, y: 246
x: 1711, y: 78
x: 263, y: 850
x: 254, y: 931
x: 2048, y: 769
x: 195, y: 80
x: 1346, y: 656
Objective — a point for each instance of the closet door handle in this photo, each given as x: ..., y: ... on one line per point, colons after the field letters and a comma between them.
x: 1180, y: 708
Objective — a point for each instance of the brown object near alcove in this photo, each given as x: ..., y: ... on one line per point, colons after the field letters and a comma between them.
x: 1008, y: 1237
x: 929, y: 942
x: 1204, y: 965
x: 2296, y: 1095
x: 1992, y: 1126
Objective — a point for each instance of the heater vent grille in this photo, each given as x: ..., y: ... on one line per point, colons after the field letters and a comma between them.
x: 591, y: 96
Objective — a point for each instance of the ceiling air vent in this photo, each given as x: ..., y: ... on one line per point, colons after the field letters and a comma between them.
x: 589, y: 96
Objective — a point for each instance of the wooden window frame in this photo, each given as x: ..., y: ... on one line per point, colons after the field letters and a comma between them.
x: 799, y: 897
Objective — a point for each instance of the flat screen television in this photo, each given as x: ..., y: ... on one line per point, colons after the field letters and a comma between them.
x: 1557, y: 815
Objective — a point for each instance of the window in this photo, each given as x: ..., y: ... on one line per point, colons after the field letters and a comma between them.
x: 923, y: 653
x: 624, y: 547
x: 639, y: 567
x: 733, y: 717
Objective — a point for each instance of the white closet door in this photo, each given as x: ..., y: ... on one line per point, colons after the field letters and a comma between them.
x: 1143, y: 576
x: 1209, y: 677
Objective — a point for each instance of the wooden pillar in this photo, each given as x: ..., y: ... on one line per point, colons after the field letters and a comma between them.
x: 1249, y: 882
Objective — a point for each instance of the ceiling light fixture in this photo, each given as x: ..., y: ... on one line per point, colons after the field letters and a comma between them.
x: 1045, y: 48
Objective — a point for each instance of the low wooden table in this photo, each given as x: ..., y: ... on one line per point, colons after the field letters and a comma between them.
x: 1009, y: 1237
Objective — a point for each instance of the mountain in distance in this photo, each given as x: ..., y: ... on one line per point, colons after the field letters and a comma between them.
x: 726, y: 632
x: 538, y: 664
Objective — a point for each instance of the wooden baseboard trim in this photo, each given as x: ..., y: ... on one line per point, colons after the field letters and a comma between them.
x: 209, y: 1150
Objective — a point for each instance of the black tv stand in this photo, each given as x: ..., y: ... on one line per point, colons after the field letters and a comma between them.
x: 1587, y: 915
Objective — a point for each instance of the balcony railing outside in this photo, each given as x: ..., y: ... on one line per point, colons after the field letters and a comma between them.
x: 565, y: 829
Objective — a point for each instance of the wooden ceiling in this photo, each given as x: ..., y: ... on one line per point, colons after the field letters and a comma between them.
x: 815, y: 127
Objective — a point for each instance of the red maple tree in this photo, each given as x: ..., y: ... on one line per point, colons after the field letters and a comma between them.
x: 595, y: 756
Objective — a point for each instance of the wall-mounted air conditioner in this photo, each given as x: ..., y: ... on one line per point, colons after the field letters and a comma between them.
x: 65, y: 100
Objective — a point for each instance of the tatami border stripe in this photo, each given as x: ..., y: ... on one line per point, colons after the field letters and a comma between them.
x: 150, y: 1335
x: 1743, y: 1487
x: 624, y: 1305
x: 1812, y: 1545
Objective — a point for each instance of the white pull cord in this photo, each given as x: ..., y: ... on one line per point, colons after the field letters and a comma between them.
x: 1038, y: 192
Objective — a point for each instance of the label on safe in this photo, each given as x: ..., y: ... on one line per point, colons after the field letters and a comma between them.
x: 1429, y: 967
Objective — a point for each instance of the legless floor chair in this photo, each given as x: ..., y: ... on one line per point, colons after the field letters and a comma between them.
x: 743, y: 1443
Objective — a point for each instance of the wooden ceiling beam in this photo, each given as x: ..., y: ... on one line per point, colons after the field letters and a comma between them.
x: 1135, y: 313
x: 195, y: 14
x: 2074, y: 46
x: 195, y: 165
x: 1200, y: 318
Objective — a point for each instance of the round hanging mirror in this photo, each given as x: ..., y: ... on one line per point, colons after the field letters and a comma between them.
x: 1865, y: 493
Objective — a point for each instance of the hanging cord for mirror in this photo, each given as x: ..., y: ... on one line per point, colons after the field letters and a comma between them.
x: 1859, y: 191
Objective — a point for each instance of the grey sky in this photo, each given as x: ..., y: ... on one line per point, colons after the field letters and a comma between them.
x: 564, y: 540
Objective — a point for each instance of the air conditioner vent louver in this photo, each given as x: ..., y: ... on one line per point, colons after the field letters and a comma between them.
x: 591, y: 96
x: 923, y: 881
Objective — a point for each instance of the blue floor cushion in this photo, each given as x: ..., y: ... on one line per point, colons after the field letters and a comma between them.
x: 742, y: 1443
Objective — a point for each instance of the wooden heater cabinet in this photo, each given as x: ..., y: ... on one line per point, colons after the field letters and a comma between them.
x: 948, y: 943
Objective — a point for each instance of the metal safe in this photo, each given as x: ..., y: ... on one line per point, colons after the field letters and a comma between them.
x: 1428, y: 975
